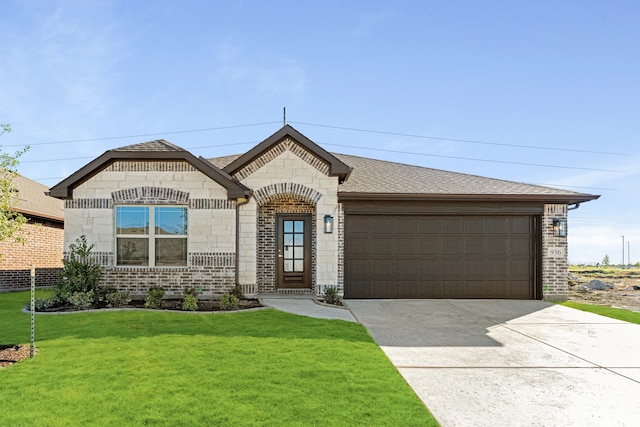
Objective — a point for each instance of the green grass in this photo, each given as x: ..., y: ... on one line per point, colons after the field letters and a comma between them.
x: 614, y: 313
x: 155, y: 368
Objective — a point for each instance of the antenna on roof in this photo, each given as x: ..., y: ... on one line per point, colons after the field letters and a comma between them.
x: 284, y: 116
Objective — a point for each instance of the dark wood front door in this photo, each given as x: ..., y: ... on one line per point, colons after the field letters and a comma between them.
x: 294, y: 251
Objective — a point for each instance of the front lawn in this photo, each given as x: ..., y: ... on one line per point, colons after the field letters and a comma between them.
x: 614, y: 313
x: 248, y: 368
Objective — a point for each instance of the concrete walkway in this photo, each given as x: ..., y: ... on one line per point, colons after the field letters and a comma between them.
x: 305, y: 305
x: 510, y: 363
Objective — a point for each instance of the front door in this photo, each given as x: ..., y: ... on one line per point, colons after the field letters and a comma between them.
x: 294, y: 251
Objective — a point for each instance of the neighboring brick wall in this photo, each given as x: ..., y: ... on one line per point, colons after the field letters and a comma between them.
x: 266, y: 247
x: 43, y: 246
x: 554, y: 256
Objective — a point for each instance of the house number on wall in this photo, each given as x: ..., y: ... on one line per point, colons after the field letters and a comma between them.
x: 555, y: 253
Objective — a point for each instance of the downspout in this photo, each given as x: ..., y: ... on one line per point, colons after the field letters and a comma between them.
x: 575, y: 206
x: 238, y: 204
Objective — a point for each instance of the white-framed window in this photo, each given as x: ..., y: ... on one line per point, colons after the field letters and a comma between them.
x: 154, y: 236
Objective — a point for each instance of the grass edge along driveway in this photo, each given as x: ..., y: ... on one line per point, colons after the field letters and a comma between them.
x: 156, y: 368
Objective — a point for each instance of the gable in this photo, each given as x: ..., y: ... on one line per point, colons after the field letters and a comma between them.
x: 288, y: 139
x: 142, y: 157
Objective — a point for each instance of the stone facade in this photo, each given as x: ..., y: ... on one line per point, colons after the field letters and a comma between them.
x: 211, y: 225
x: 554, y: 255
x: 286, y: 179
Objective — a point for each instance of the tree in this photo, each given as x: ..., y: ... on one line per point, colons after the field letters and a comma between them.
x: 606, y: 261
x: 11, y: 220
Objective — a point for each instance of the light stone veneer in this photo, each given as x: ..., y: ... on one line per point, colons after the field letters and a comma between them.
x: 289, y: 168
x: 211, y: 242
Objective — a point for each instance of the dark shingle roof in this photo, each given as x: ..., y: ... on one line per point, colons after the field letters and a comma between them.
x: 157, y: 145
x: 372, y: 176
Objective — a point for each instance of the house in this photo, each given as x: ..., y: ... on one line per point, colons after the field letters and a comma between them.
x: 43, y: 239
x: 289, y: 217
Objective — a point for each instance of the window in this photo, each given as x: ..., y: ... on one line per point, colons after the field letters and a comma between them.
x: 151, y: 236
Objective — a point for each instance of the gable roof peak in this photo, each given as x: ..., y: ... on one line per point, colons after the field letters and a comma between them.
x: 155, y: 146
x: 336, y: 166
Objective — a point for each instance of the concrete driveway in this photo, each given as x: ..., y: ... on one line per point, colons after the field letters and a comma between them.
x: 510, y: 363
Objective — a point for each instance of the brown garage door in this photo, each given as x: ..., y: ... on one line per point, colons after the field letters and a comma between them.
x: 440, y: 256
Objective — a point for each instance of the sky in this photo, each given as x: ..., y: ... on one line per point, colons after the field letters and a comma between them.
x: 542, y: 92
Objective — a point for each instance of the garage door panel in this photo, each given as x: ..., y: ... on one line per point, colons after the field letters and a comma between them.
x: 406, y: 225
x: 358, y: 246
x: 407, y: 267
x: 429, y: 246
x: 358, y: 267
x: 382, y: 225
x: 520, y: 267
x: 406, y: 246
x: 407, y: 288
x: 430, y: 267
x: 382, y: 246
x: 357, y: 225
x: 474, y: 246
x: 452, y: 225
x: 383, y: 268
x: 521, y: 226
x: 452, y: 246
x: 429, y: 225
x: 452, y: 268
x: 497, y: 225
x: 497, y: 246
x: 520, y: 246
x: 474, y: 226
x: 439, y: 256
x: 383, y: 288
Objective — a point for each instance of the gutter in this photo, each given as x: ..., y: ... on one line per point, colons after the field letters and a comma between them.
x: 238, y: 204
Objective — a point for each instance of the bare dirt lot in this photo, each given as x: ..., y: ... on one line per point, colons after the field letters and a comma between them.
x: 622, y: 295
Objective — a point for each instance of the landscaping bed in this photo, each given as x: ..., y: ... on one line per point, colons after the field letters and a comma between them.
x: 166, y: 304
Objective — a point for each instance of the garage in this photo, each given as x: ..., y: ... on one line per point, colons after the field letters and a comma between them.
x: 441, y: 256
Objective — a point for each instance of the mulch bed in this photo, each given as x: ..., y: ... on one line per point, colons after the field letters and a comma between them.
x: 169, y: 304
x: 13, y: 353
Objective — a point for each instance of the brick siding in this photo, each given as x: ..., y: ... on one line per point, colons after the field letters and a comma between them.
x: 44, y: 241
x: 266, y: 247
x: 554, y: 256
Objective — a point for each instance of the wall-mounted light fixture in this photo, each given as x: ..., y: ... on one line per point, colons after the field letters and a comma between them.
x: 328, y: 224
x: 560, y: 227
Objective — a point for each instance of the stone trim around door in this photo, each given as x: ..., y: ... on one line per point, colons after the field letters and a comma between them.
x: 286, y: 191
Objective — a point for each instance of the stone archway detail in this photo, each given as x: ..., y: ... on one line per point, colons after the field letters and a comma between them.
x: 142, y: 195
x: 286, y: 190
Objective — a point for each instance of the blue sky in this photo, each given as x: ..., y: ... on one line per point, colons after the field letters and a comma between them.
x: 433, y: 75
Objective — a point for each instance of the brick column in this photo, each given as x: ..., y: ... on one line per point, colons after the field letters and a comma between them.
x: 554, y: 256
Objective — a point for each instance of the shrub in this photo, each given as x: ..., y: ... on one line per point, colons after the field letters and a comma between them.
x: 117, y: 299
x: 330, y: 295
x: 154, y: 299
x: 190, y: 300
x: 46, y: 303
x: 82, y: 300
x: 237, y: 292
x: 80, y: 273
x: 228, y: 302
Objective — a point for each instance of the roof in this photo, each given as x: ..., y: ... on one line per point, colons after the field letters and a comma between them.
x: 34, y: 202
x: 151, y: 150
x: 407, y: 181
x: 336, y: 166
x: 410, y: 182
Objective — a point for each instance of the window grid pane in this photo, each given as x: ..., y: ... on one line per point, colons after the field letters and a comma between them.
x: 168, y: 229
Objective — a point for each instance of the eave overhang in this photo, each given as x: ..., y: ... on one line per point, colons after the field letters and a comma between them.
x: 542, y: 198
